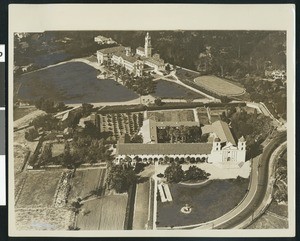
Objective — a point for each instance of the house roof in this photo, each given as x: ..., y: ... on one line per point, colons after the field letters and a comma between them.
x: 155, y: 61
x: 221, y: 129
x: 164, y: 149
x: 128, y: 58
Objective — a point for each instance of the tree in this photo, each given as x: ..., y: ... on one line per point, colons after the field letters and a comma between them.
x: 158, y: 102
x: 31, y: 134
x: 87, y: 109
x: 174, y: 173
x: 47, y: 122
x: 120, y: 178
x: 137, y: 139
x: 195, y: 174
x: 168, y: 68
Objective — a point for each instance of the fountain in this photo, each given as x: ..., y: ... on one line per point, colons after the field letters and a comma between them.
x: 186, y: 209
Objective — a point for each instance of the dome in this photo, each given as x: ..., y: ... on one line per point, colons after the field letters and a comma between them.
x: 217, y: 139
x: 242, y: 139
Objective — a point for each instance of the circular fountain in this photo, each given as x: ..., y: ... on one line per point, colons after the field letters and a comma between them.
x: 186, y: 209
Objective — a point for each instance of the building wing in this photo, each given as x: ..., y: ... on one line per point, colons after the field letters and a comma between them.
x: 164, y: 149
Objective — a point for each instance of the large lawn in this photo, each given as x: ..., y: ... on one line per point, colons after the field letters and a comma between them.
x: 167, y: 89
x: 86, y: 181
x: 219, y: 86
x: 73, y: 82
x: 39, y: 189
x: 172, y: 115
x: 106, y: 213
x: 208, y: 202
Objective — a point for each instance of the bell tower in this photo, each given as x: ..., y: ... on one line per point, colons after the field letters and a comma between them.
x: 148, y: 48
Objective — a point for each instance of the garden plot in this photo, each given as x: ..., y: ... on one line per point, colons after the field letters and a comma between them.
x: 106, y: 213
x: 172, y: 115
x: 39, y: 189
x: 202, y: 115
x: 121, y: 123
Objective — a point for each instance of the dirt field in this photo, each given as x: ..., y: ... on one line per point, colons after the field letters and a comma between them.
x: 219, y: 86
x: 58, y: 149
x: 39, y: 189
x: 172, y: 115
x: 86, y: 181
x: 106, y: 213
x: 140, y: 217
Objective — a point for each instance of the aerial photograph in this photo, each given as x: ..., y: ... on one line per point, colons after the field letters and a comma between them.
x: 150, y: 130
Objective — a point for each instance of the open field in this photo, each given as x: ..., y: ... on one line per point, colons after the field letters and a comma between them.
x: 141, y: 206
x: 219, y: 86
x: 172, y: 115
x: 86, y: 181
x: 208, y: 202
x: 106, y: 213
x: 72, y: 82
x: 121, y: 123
x: 166, y: 90
x: 42, y: 218
x: 39, y: 189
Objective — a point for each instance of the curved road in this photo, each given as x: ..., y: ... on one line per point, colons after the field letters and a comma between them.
x: 262, y: 184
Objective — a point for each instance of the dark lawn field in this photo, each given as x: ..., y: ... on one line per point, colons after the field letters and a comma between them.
x: 167, y: 89
x: 208, y: 202
x: 72, y: 83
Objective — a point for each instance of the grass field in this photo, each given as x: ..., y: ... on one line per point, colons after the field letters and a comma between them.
x: 140, y: 217
x: 208, y: 202
x: 219, y: 86
x: 106, y: 213
x: 86, y: 181
x: 39, y: 189
x: 172, y: 115
x: 169, y: 90
x: 72, y: 83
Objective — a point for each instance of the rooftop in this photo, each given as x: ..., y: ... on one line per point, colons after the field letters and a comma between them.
x: 221, y: 129
x: 164, y: 149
